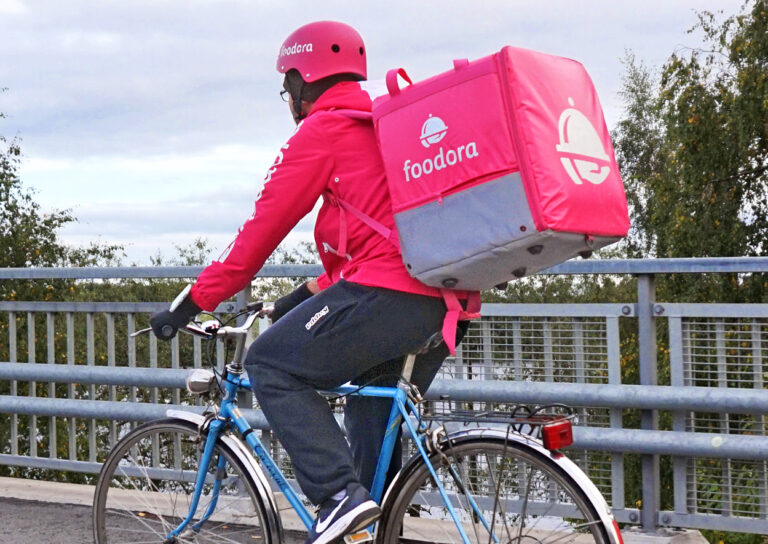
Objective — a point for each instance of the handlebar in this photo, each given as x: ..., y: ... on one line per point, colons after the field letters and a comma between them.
x: 253, y: 311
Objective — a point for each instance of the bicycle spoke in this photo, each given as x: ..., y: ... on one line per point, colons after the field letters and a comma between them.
x: 467, y: 485
x: 223, y: 537
x: 507, y: 493
x: 524, y: 511
x: 497, y: 485
x: 147, y: 491
x: 140, y: 520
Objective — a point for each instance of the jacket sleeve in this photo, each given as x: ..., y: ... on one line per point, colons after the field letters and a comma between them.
x: 292, y: 186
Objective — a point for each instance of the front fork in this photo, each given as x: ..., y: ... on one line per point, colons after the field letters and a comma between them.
x: 214, y: 429
x: 221, y: 473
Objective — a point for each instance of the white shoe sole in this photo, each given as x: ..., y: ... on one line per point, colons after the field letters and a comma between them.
x: 367, y: 512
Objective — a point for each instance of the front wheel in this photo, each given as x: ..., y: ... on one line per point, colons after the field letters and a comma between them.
x: 501, y: 491
x: 146, y: 486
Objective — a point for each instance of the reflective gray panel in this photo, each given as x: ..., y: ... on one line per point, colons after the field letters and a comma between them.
x: 482, y: 236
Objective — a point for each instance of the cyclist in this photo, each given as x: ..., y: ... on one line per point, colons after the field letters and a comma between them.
x: 355, y: 321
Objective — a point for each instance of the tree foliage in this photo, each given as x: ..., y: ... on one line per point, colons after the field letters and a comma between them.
x: 693, y: 149
x: 270, y: 289
x: 29, y: 237
x: 693, y: 143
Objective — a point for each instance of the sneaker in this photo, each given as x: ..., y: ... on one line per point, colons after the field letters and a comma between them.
x: 337, y: 518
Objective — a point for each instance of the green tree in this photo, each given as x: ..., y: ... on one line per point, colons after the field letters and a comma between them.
x: 693, y: 149
x: 270, y: 289
x: 29, y: 237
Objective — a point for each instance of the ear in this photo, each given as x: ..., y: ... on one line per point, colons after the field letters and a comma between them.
x: 306, y: 107
x: 298, y: 108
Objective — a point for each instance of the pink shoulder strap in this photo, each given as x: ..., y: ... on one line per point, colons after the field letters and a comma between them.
x: 389, y: 234
x: 455, y: 312
x: 354, y: 114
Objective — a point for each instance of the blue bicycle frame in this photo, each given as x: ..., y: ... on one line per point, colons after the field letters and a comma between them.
x: 401, y: 407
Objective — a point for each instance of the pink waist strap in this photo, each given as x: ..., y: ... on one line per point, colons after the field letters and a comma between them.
x: 457, y: 313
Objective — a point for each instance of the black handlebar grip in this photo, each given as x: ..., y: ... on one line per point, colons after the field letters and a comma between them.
x: 168, y: 331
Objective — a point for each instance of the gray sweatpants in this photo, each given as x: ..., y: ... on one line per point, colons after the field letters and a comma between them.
x: 348, y: 332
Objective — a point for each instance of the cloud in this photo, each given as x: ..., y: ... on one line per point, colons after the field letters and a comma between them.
x: 145, y: 228
x: 71, y: 181
x: 154, y: 202
x: 142, y: 78
x: 224, y: 158
x: 140, y: 115
x: 11, y: 7
x: 91, y: 40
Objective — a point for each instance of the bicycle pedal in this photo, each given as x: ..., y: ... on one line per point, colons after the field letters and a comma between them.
x: 360, y: 536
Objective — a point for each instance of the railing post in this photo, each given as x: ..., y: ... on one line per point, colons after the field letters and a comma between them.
x: 646, y: 326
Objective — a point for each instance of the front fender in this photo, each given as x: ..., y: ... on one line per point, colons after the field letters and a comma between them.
x: 246, y: 458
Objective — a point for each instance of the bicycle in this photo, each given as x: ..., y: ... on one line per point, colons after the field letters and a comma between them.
x: 201, y: 478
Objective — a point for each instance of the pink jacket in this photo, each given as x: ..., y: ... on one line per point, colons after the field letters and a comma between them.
x: 329, y: 155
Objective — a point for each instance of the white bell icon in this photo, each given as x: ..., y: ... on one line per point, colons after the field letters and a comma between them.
x: 579, y: 137
x: 432, y: 131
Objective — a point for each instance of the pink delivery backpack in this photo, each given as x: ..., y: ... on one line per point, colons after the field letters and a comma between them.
x: 498, y: 168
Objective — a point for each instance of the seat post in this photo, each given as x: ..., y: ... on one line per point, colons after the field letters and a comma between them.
x: 410, y: 359
x: 408, y: 366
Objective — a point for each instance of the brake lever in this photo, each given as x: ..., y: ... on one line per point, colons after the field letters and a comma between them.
x: 191, y: 328
x: 194, y: 329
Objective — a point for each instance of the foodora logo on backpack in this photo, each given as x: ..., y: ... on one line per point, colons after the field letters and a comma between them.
x: 432, y: 132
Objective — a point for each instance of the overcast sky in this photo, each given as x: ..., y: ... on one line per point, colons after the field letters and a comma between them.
x: 155, y: 121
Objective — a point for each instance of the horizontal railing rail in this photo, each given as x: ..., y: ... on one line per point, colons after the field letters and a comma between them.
x: 647, y: 397
x: 585, y: 438
x: 145, y: 272
x: 719, y: 265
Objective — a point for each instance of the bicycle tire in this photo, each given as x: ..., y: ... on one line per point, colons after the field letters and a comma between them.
x: 524, y: 488
x: 150, y: 495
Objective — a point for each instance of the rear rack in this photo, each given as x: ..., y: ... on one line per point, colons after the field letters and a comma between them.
x: 450, y: 410
x: 551, y: 422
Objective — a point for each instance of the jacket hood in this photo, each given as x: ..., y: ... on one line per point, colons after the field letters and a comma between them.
x: 344, y: 95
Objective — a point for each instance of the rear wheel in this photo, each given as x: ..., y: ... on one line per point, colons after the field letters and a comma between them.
x: 145, y: 489
x: 502, y: 493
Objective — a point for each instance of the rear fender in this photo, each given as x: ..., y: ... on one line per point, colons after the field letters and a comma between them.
x: 535, y: 447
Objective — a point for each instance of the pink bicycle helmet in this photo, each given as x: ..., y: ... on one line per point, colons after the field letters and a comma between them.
x: 321, y: 49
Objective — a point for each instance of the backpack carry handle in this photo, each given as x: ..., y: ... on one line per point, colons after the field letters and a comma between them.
x: 392, y: 85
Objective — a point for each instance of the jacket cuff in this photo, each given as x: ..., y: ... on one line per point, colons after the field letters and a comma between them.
x: 188, y: 308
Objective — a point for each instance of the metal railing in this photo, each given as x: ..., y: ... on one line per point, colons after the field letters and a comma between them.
x: 64, y: 413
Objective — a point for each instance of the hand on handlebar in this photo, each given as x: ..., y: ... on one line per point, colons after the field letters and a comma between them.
x: 166, y: 320
x: 166, y: 324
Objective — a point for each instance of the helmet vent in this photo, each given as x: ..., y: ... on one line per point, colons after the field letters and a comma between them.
x: 362, y: 51
x: 335, y: 48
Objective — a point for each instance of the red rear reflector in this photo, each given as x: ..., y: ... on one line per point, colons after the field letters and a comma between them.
x: 557, y: 435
